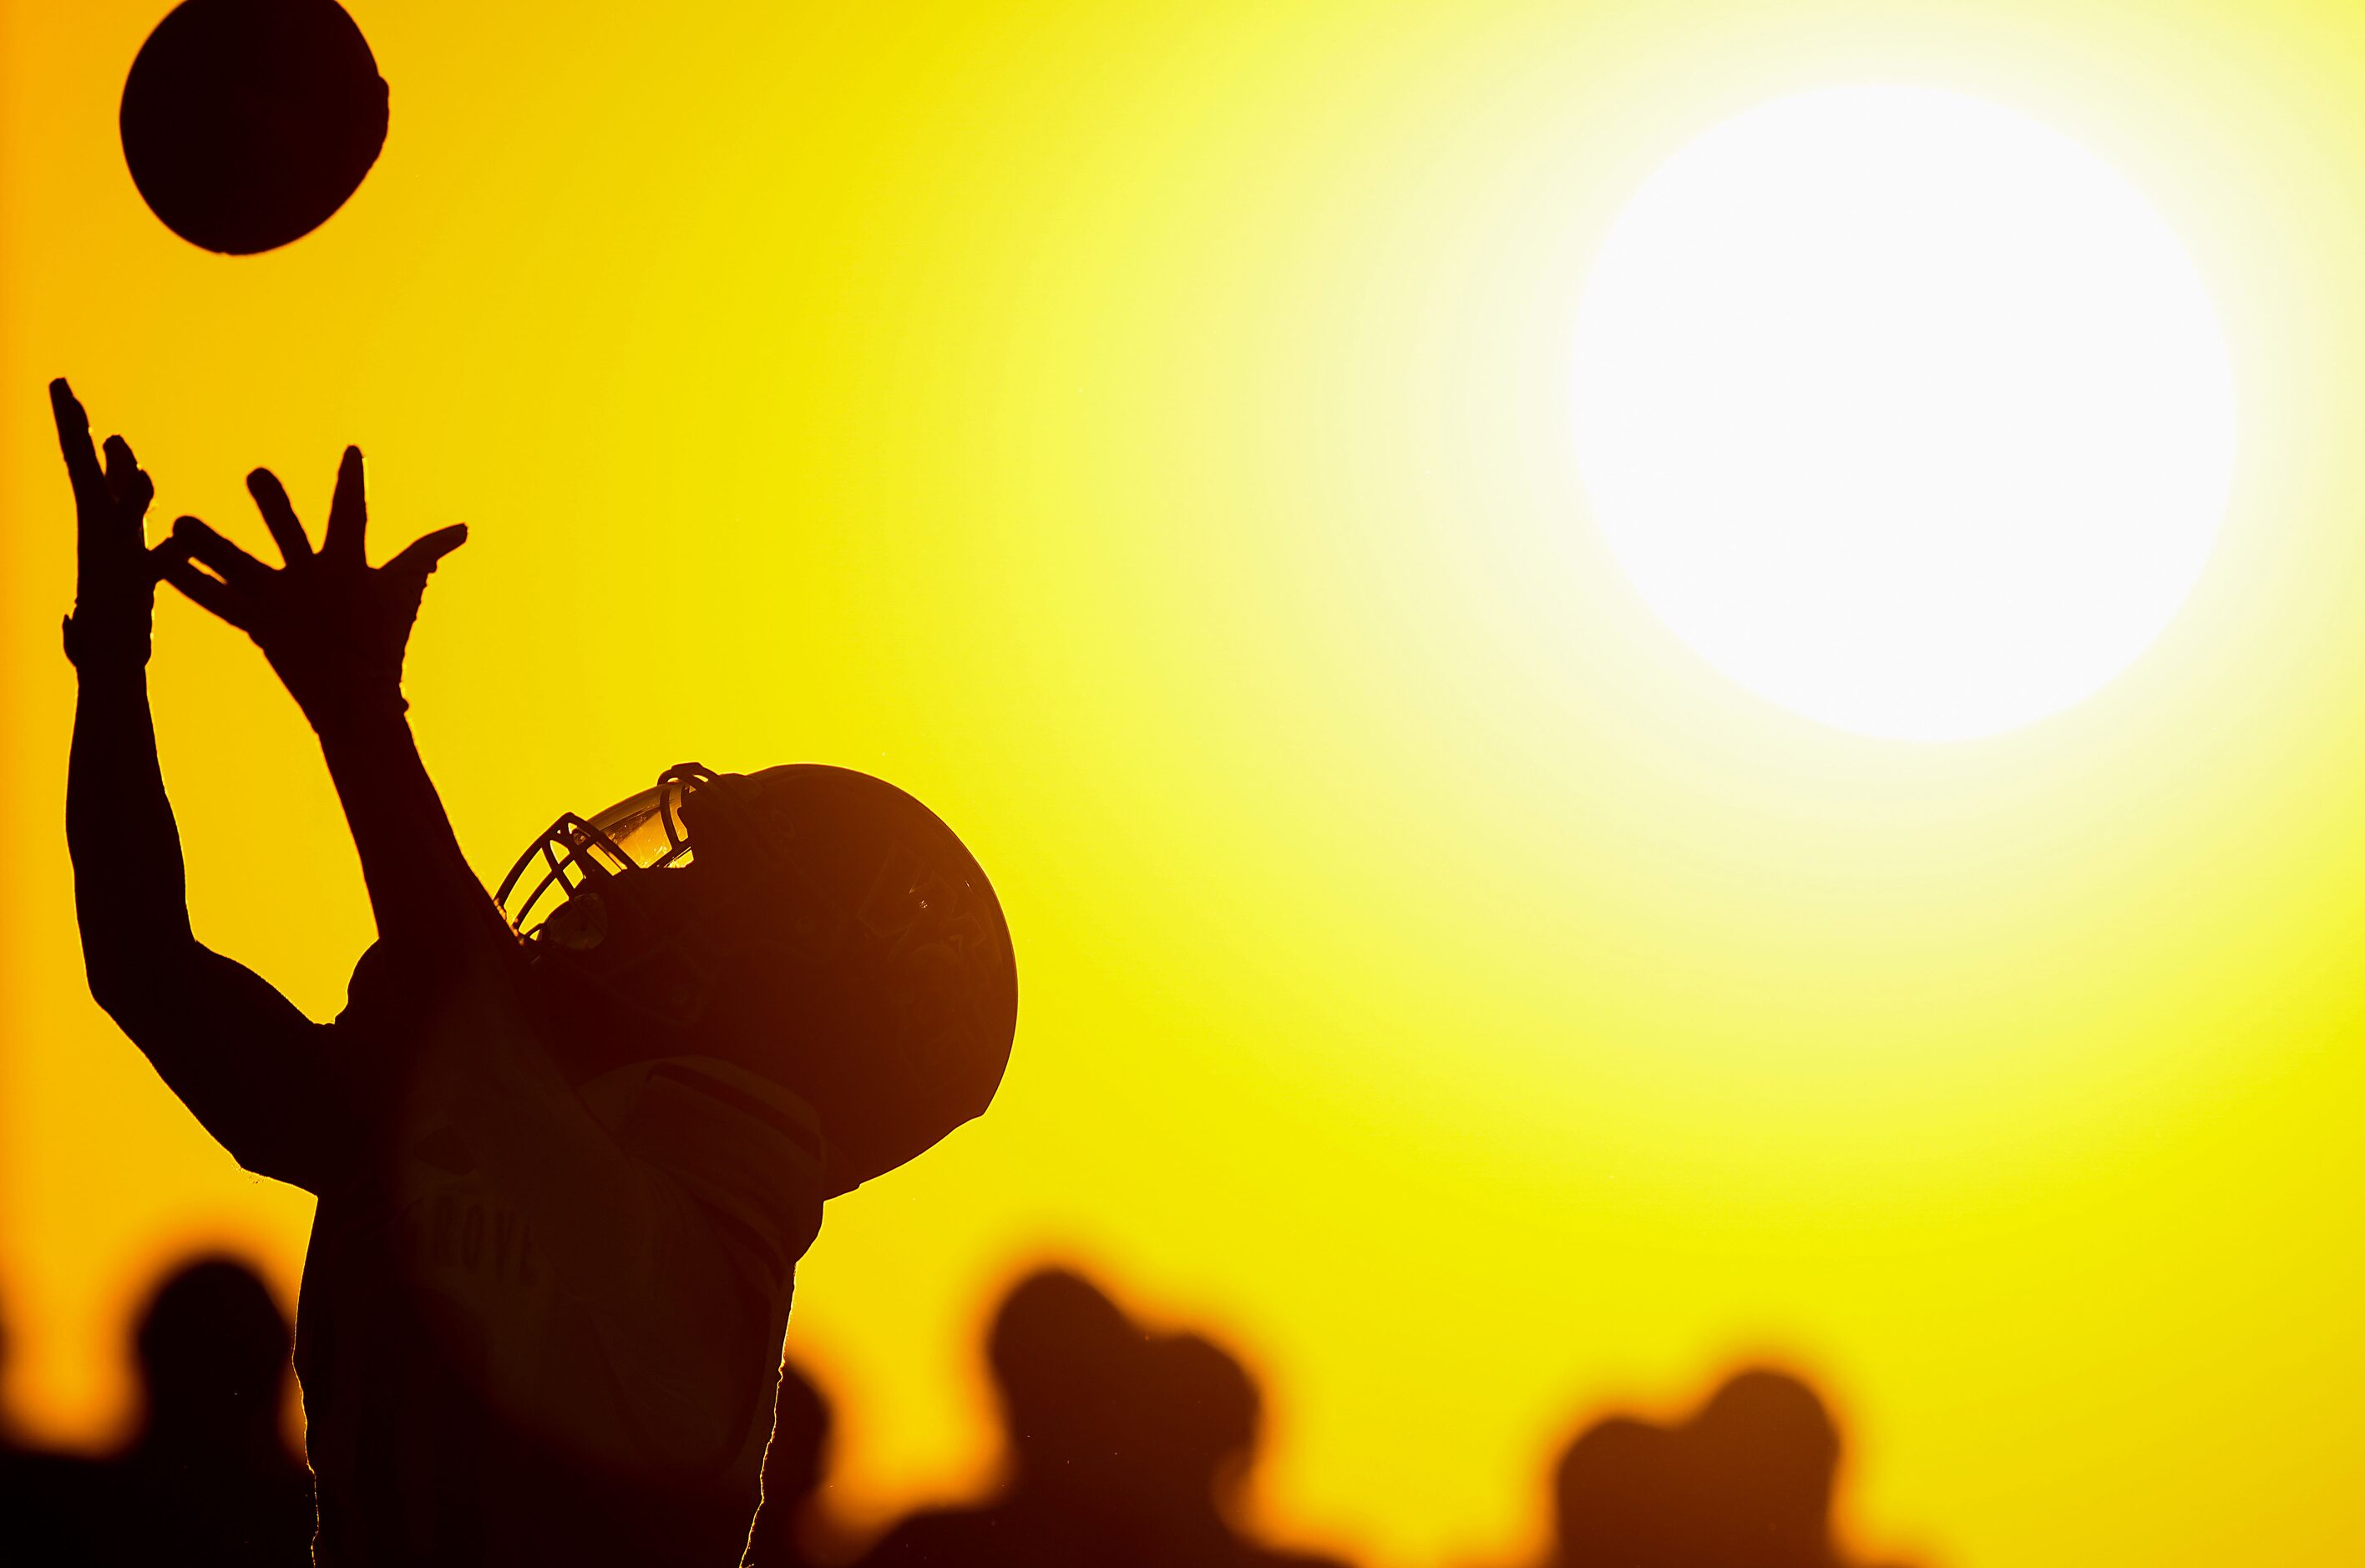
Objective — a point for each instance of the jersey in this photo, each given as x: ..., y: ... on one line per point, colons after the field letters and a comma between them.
x: 469, y: 1399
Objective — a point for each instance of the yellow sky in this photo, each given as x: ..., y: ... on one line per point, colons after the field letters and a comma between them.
x: 1140, y: 432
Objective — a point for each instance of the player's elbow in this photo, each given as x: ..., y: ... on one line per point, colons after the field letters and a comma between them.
x: 137, y: 984
x: 125, y: 990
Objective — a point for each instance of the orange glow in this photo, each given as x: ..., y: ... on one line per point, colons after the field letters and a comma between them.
x: 1141, y: 432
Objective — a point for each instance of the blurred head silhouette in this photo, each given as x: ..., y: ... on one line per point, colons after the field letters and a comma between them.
x: 211, y: 1476
x: 1199, y: 1412
x: 213, y: 1353
x: 1764, y: 1452
x: 1064, y: 1358
x: 1617, y: 1494
x: 1746, y: 1483
x: 1127, y: 1447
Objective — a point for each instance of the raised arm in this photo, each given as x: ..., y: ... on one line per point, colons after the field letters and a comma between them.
x: 238, y: 1055
x: 620, y: 1226
x: 335, y: 629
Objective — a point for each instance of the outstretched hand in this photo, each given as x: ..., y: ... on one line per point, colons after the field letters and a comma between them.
x: 115, y: 589
x: 334, y: 626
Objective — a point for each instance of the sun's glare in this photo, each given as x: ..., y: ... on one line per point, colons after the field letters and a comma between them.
x: 1905, y: 412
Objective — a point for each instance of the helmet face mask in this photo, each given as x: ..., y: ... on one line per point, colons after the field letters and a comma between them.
x: 816, y: 925
x: 622, y: 902
x: 584, y: 898
x: 643, y: 831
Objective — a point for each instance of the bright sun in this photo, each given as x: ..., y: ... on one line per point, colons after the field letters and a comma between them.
x: 1905, y: 412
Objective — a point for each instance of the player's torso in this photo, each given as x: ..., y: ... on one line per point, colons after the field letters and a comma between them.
x: 459, y: 1399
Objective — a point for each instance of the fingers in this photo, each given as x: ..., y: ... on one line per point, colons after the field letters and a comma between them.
x: 278, y: 515
x: 237, y: 567
x: 421, y: 555
x: 121, y: 465
x: 349, y: 512
x: 128, y: 482
x: 132, y: 505
x: 133, y: 499
x: 211, y: 593
x: 74, y: 440
x: 162, y: 557
x: 170, y: 561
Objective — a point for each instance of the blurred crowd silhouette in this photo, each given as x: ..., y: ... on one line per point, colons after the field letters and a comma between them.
x: 209, y: 1476
x: 1125, y: 1447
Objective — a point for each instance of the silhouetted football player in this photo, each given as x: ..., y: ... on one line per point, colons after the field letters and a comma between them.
x: 570, y: 1147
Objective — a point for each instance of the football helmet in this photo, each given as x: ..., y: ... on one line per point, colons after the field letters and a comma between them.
x: 816, y: 924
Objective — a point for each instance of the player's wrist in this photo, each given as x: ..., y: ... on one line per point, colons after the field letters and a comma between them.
x: 338, y: 692
x: 102, y: 636
x: 355, y: 713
